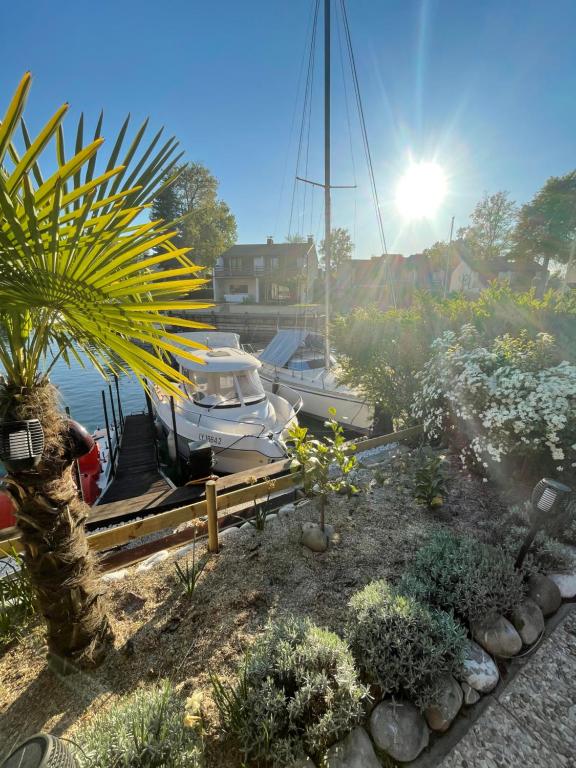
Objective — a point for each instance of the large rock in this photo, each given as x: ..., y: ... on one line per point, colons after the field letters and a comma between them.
x: 440, y: 715
x: 478, y: 669
x: 354, y: 751
x: 498, y: 636
x: 566, y: 583
x: 470, y: 695
x: 315, y: 538
x: 528, y: 621
x: 545, y: 593
x: 399, y: 729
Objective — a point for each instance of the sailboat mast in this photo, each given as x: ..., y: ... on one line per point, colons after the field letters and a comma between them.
x: 327, y: 201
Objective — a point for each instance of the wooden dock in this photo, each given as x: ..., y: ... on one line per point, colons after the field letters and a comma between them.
x: 138, y: 487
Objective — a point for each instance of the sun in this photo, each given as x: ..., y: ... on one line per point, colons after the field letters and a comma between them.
x: 421, y: 190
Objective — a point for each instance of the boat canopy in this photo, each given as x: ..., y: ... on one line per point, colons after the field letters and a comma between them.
x: 285, y: 345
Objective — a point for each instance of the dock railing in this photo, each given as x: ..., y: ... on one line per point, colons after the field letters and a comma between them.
x: 223, y: 496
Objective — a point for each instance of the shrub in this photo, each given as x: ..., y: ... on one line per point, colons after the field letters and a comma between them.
x: 546, y: 554
x: 17, y: 604
x: 144, y: 730
x: 381, y: 352
x: 298, y: 692
x: 507, y: 401
x: 460, y: 574
x: 430, y: 481
x: 400, y: 644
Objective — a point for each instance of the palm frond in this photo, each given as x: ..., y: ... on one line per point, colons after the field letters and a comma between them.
x: 76, y: 262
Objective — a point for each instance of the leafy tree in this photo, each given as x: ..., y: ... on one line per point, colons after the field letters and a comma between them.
x: 341, y: 248
x: 314, y: 458
x: 204, y: 223
x: 74, y: 276
x: 546, y: 228
x: 493, y: 219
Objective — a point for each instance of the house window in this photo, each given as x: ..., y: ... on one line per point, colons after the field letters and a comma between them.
x: 238, y: 288
x: 236, y: 263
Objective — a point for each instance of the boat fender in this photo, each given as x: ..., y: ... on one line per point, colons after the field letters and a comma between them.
x: 7, y: 517
x: 79, y: 441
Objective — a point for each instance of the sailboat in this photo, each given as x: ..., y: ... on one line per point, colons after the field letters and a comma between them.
x: 296, y: 359
x: 304, y: 361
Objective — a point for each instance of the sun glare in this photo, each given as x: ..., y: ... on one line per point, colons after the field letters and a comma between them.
x: 421, y: 190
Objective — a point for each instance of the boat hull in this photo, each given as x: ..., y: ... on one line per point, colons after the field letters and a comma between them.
x: 233, y: 452
x: 353, y: 414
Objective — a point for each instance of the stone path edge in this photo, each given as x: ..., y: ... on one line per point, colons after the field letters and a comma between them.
x: 445, y: 743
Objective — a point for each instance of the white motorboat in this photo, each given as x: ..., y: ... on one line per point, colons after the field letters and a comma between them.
x: 224, y: 404
x: 296, y: 359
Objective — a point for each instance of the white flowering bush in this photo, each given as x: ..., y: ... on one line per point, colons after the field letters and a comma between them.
x: 508, y: 401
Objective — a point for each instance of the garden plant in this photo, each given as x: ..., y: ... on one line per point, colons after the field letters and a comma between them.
x: 400, y: 644
x: 314, y: 459
x: 149, y: 728
x: 463, y: 575
x: 297, y: 693
x: 510, y: 401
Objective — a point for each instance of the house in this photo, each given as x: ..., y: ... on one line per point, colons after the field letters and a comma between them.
x: 471, y: 275
x: 266, y: 273
x: 383, y: 281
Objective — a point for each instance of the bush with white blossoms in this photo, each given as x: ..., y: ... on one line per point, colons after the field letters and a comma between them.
x: 510, y: 400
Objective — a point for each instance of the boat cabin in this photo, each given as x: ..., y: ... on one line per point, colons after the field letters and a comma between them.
x: 226, y: 378
x: 295, y: 350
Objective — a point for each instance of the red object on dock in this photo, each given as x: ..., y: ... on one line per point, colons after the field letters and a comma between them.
x: 90, y: 468
x: 7, y: 518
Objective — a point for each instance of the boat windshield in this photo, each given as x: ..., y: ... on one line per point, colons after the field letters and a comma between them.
x: 224, y: 389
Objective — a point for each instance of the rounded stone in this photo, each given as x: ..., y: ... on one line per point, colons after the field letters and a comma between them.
x: 498, y: 636
x: 528, y: 621
x: 545, y: 593
x: 315, y: 538
x: 354, y: 751
x: 399, y: 729
x: 448, y: 703
x: 478, y: 669
x: 566, y: 583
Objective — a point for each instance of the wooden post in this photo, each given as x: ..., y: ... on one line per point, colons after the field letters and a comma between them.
x: 212, y: 509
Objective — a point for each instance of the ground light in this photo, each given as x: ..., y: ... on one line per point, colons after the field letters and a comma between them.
x: 41, y: 751
x: 549, y: 498
x: 21, y: 444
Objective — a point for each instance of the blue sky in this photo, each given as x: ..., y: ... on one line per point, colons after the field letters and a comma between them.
x: 486, y: 88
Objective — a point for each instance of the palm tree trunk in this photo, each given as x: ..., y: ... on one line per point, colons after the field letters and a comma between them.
x: 51, y: 520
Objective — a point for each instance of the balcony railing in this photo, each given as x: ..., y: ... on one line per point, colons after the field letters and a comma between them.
x: 292, y: 270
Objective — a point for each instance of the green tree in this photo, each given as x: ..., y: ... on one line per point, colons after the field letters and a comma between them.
x: 204, y: 223
x: 493, y: 219
x: 341, y: 248
x: 546, y: 229
x: 75, y: 278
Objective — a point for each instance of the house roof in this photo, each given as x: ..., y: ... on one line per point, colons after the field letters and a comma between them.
x: 293, y: 250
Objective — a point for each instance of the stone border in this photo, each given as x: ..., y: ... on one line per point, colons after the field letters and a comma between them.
x: 443, y: 744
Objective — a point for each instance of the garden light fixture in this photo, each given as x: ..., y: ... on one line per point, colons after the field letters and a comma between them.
x: 21, y: 444
x: 548, y: 499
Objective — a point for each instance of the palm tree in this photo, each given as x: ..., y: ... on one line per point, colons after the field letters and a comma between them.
x: 76, y: 276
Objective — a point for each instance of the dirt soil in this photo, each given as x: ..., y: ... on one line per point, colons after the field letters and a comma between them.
x: 162, y: 633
